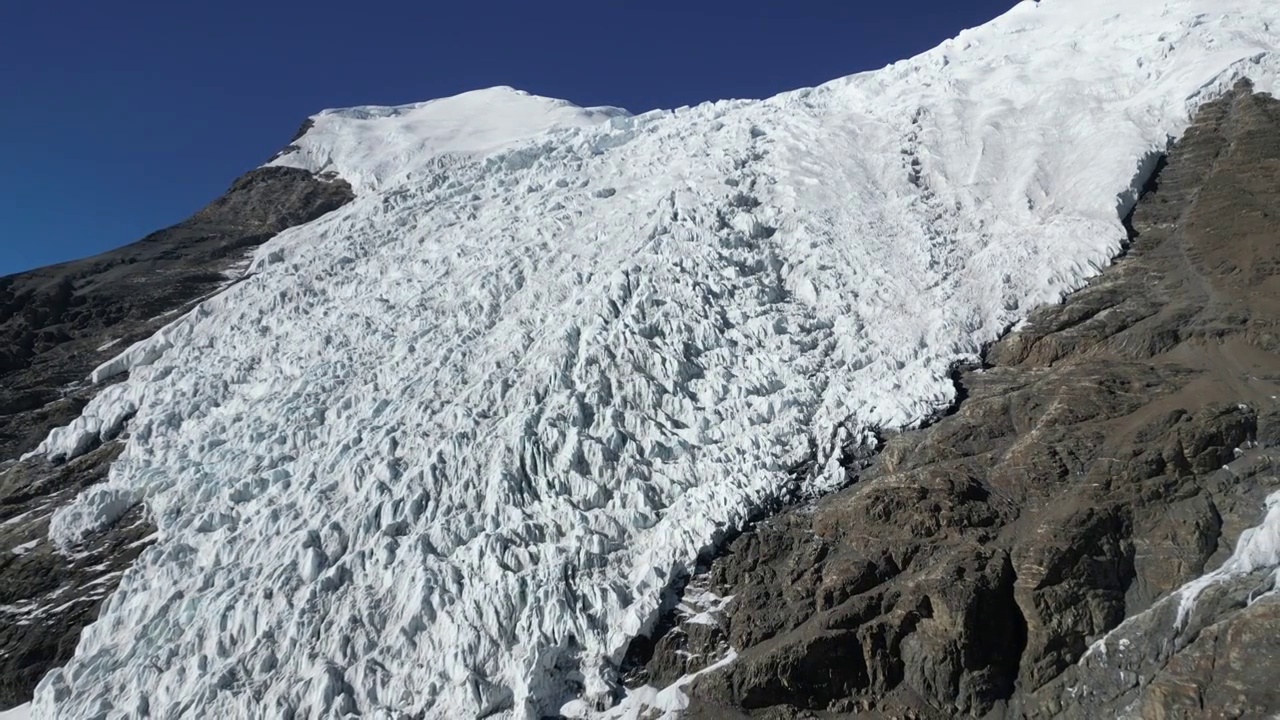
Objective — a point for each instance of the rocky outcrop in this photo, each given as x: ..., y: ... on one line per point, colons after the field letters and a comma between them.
x: 1107, y: 453
x: 56, y: 325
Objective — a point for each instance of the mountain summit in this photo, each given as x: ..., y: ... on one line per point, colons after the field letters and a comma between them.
x: 373, y: 146
x: 449, y: 449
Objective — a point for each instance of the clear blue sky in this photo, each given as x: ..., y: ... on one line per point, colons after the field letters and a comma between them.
x: 120, y: 118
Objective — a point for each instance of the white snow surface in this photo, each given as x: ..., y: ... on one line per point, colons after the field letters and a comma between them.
x: 446, y: 449
x: 376, y: 147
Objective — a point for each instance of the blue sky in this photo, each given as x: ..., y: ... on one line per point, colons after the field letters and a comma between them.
x: 121, y: 118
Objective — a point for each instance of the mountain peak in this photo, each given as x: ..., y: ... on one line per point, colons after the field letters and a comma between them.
x: 370, y: 144
x: 450, y: 448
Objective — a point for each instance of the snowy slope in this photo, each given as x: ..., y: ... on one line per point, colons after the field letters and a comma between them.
x: 381, y: 147
x: 447, y: 448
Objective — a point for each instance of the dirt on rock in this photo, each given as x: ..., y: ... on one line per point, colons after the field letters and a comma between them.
x: 1110, y: 451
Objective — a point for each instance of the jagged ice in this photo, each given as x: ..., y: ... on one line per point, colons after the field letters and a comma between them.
x: 446, y: 449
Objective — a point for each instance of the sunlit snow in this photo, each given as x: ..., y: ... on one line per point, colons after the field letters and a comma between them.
x: 445, y: 449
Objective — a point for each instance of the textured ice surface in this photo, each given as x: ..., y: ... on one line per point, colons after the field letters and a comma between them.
x: 446, y: 448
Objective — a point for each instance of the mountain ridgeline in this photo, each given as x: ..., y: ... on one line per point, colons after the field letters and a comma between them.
x: 944, y: 390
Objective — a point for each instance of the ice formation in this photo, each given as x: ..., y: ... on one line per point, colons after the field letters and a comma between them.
x: 446, y: 448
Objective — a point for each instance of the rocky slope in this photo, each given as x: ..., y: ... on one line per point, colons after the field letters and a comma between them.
x: 56, y: 325
x: 1110, y: 451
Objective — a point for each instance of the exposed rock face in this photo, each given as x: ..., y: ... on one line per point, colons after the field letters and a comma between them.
x: 1080, y: 481
x: 57, y: 324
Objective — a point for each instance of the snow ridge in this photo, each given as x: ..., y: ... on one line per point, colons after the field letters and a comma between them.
x: 443, y: 452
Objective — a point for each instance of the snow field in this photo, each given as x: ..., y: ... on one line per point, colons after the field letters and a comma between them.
x: 448, y: 447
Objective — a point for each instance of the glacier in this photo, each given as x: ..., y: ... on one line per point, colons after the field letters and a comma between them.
x: 445, y: 451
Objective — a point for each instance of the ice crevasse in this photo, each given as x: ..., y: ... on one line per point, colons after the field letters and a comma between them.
x: 445, y: 450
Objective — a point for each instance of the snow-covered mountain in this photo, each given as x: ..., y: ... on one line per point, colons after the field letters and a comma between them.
x: 446, y: 450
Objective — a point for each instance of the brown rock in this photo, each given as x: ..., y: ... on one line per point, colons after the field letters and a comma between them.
x: 1078, y: 484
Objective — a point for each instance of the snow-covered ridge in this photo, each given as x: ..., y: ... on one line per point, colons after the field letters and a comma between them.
x: 375, y: 146
x: 448, y: 446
